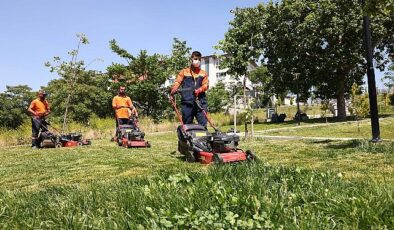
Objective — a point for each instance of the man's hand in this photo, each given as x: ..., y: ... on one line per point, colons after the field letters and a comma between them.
x: 173, y: 91
x: 197, y: 91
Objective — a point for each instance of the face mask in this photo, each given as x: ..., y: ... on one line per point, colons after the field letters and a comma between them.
x: 196, y: 63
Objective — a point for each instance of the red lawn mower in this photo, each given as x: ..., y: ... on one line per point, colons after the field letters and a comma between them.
x: 130, y: 136
x: 49, y: 139
x: 197, y: 144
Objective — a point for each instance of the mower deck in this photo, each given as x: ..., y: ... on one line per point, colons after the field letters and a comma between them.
x: 135, y: 143
x: 130, y: 136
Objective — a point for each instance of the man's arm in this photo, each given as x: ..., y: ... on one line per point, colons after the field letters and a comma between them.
x: 205, y: 83
x: 30, y: 109
x: 178, y: 82
x: 114, y: 105
x: 204, y: 87
x: 132, y: 107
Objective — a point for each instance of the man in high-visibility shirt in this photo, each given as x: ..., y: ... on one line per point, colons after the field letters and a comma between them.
x: 194, y: 81
x: 123, y: 106
x: 39, y: 109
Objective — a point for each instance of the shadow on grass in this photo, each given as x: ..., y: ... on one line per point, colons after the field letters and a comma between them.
x: 343, y: 145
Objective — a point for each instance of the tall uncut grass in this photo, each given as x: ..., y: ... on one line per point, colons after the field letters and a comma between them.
x: 245, y: 196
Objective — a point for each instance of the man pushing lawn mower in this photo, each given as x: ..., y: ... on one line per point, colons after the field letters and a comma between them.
x: 194, y: 78
x: 41, y: 136
x: 39, y: 110
x: 194, y: 141
x: 127, y: 132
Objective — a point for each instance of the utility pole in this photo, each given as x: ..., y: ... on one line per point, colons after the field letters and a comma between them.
x: 373, y: 104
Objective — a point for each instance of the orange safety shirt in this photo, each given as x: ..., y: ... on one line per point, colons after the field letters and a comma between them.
x: 122, y: 101
x: 39, y: 106
x: 188, y: 72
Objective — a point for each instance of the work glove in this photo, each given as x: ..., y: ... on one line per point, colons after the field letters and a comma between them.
x: 197, y: 91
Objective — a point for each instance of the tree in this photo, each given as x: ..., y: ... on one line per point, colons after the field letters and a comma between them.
x: 219, y: 97
x: 359, y: 104
x: 89, y: 97
x: 78, y: 93
x: 180, y: 56
x: 321, y: 40
x: 262, y: 80
x: 239, y: 48
x: 13, y: 105
x: 147, y: 73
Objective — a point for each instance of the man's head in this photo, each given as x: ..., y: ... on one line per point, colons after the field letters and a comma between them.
x: 42, y: 94
x: 196, y: 59
x: 122, y: 90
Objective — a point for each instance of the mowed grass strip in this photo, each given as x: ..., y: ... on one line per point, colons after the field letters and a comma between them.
x: 345, y: 130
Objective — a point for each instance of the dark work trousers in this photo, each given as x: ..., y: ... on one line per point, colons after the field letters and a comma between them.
x: 37, y: 125
x: 120, y: 121
x: 189, y: 111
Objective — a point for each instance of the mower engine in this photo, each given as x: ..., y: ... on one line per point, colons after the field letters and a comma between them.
x: 197, y: 144
x: 224, y: 143
x: 73, y: 139
x: 131, y: 136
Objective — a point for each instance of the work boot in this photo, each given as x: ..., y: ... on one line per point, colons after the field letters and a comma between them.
x: 34, y: 144
x: 37, y: 144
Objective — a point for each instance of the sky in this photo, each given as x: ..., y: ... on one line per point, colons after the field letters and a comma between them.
x: 33, y: 32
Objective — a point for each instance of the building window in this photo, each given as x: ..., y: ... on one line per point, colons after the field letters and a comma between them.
x: 217, y: 62
x: 220, y: 76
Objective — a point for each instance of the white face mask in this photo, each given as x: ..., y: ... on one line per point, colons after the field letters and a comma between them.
x: 196, y: 63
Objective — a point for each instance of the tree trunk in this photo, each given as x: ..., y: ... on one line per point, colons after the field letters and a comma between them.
x: 245, y: 104
x: 341, y: 104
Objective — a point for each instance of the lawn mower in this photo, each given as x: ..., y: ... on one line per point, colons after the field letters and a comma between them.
x: 130, y: 136
x: 49, y: 139
x: 197, y: 144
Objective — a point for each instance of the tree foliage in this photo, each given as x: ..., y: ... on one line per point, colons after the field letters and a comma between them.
x: 320, y: 40
x: 359, y: 104
x: 219, y: 97
x: 13, y: 105
x: 145, y: 78
x: 78, y: 93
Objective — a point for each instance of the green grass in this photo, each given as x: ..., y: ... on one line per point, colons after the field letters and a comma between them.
x: 296, y: 184
x: 242, y: 196
x: 348, y: 130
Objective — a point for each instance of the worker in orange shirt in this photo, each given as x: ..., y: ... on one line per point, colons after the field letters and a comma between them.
x: 39, y: 109
x: 123, y: 106
x: 195, y: 79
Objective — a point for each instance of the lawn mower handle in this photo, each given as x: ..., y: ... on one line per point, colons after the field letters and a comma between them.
x: 173, y: 103
x: 44, y: 122
x: 198, y: 103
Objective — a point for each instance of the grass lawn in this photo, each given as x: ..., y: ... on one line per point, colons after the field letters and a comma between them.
x: 348, y: 130
x: 296, y: 184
